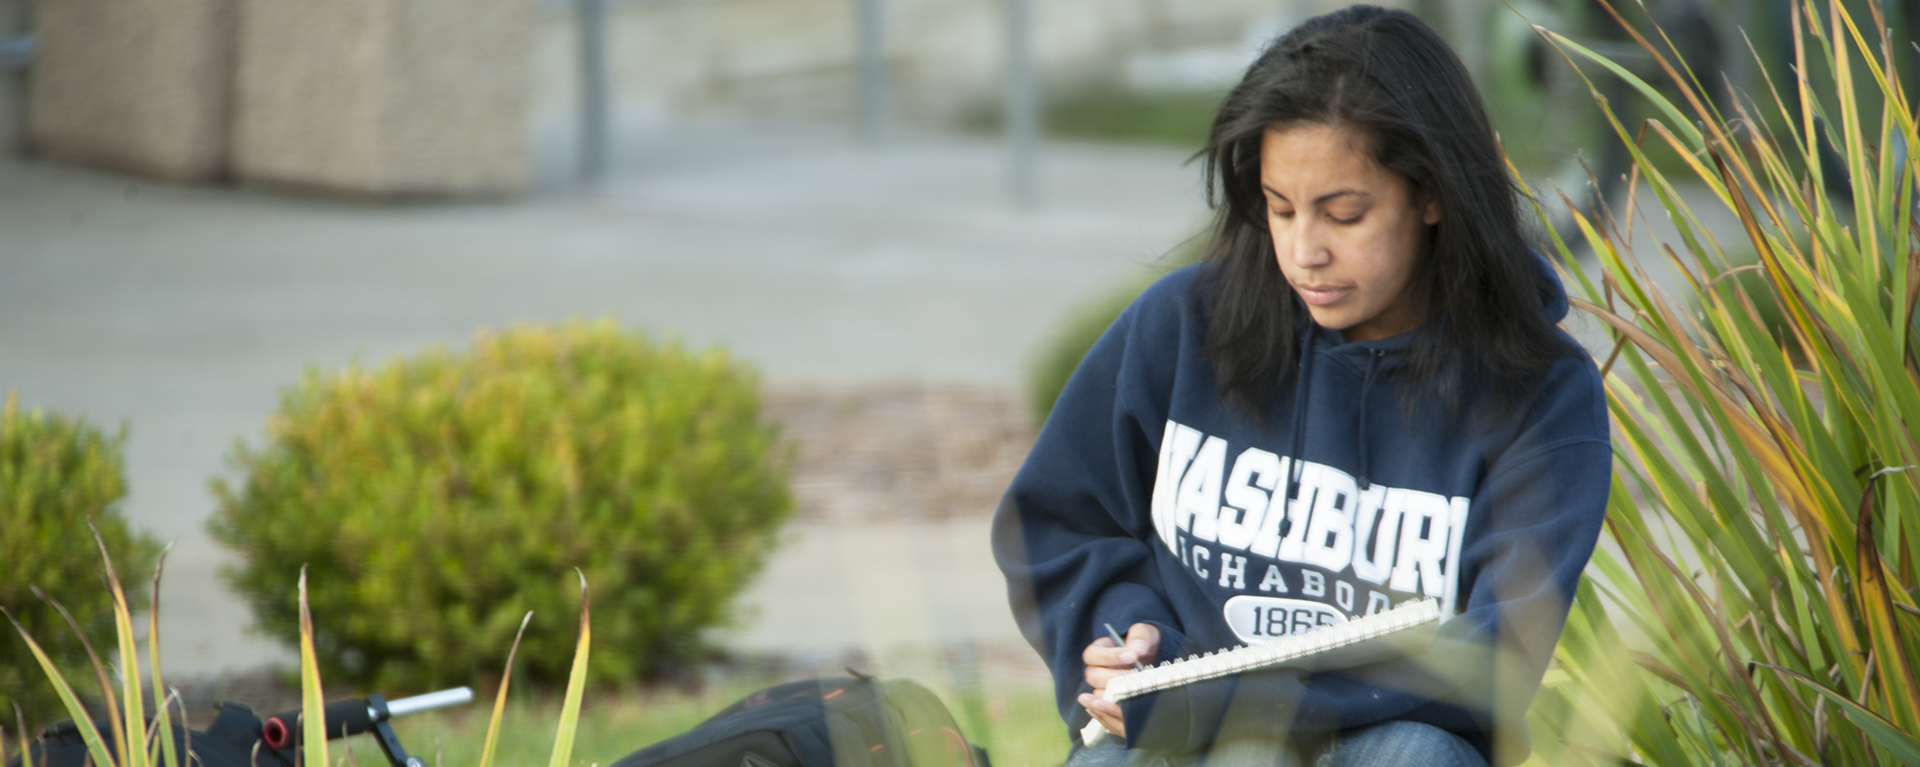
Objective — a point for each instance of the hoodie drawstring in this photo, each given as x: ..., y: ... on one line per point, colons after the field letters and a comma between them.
x: 1373, y: 364
x: 1300, y: 410
x: 1300, y: 390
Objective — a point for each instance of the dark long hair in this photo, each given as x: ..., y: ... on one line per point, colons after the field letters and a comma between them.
x: 1389, y: 75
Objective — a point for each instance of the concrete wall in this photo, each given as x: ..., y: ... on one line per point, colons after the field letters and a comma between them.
x: 384, y: 97
x: 140, y: 85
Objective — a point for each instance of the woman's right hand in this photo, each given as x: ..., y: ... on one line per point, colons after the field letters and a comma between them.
x: 1106, y: 660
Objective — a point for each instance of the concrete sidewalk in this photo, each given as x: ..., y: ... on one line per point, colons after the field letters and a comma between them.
x: 183, y: 311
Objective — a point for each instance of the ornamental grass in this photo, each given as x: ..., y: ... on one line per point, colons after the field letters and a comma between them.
x: 1753, y: 598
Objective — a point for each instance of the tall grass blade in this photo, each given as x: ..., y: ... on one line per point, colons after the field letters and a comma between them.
x: 186, y: 742
x: 1876, y: 606
x: 500, y: 698
x: 1888, y: 735
x: 112, y: 701
x: 313, y: 703
x: 1754, y: 396
x: 1680, y: 122
x: 20, y: 718
x: 576, y: 685
x: 163, y: 717
x: 89, y: 734
x: 133, y: 711
x: 163, y: 705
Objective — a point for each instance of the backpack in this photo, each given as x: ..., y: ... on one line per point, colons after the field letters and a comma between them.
x: 857, y: 721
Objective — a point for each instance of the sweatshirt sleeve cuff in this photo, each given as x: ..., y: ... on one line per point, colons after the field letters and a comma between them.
x: 1172, y: 642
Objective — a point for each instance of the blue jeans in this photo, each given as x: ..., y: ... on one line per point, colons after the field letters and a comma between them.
x: 1388, y: 744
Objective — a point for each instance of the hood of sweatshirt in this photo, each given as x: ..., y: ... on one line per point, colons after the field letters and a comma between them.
x: 1379, y: 356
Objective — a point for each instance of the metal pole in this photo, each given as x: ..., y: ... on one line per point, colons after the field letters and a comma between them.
x: 873, y: 71
x: 1023, y: 105
x: 16, y: 51
x: 593, y: 90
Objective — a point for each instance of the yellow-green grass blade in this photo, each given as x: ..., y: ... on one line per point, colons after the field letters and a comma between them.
x: 89, y: 734
x: 1652, y: 95
x: 1805, y: 617
x: 1845, y: 407
x: 163, y: 717
x: 1754, y: 430
x: 186, y: 743
x: 20, y: 718
x: 1592, y: 653
x: 1779, y: 460
x: 112, y: 701
x: 1646, y: 716
x: 500, y: 698
x: 1704, y: 112
x: 1656, y: 180
x: 160, y: 719
x: 1888, y: 735
x: 1896, y: 675
x: 313, y: 702
x: 1679, y: 490
x: 1803, y: 88
x: 1750, y: 433
x: 1704, y: 656
x: 133, y: 708
x: 1851, y: 130
x: 1675, y: 491
x: 576, y: 685
x: 1729, y: 669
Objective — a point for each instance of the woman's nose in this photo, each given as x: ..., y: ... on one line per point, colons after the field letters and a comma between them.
x: 1308, y: 244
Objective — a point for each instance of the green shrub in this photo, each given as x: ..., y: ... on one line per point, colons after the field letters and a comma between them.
x: 57, y: 475
x: 1108, y: 111
x: 438, y: 498
x: 1061, y: 354
x: 1056, y: 359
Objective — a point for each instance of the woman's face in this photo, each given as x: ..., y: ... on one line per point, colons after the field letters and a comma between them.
x: 1348, y: 233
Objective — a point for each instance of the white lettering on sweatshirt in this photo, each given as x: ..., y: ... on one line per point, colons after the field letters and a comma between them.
x: 1407, y: 541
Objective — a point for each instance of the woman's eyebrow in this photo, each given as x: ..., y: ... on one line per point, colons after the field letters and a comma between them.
x: 1340, y: 193
x: 1335, y: 194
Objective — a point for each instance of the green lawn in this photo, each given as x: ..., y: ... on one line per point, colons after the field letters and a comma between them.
x: 1016, y: 723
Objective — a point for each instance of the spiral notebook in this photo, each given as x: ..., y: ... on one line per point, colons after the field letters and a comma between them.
x: 1400, y: 631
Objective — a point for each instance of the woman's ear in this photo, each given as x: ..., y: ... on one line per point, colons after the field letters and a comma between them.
x: 1431, y: 214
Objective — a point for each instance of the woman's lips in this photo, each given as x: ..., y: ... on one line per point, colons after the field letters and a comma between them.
x: 1321, y: 295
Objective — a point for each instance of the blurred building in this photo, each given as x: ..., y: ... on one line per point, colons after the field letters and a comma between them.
x: 800, y: 58
x: 400, y: 97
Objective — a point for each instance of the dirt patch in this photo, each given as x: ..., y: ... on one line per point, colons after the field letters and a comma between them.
x: 923, y: 453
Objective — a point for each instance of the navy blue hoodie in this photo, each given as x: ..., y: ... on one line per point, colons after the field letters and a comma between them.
x: 1147, y: 499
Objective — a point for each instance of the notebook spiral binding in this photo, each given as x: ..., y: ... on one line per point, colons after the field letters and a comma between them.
x: 1195, y: 668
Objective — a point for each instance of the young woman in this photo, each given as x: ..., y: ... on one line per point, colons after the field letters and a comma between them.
x: 1358, y: 398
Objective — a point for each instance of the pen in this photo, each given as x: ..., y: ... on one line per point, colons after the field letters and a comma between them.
x: 1115, y: 635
